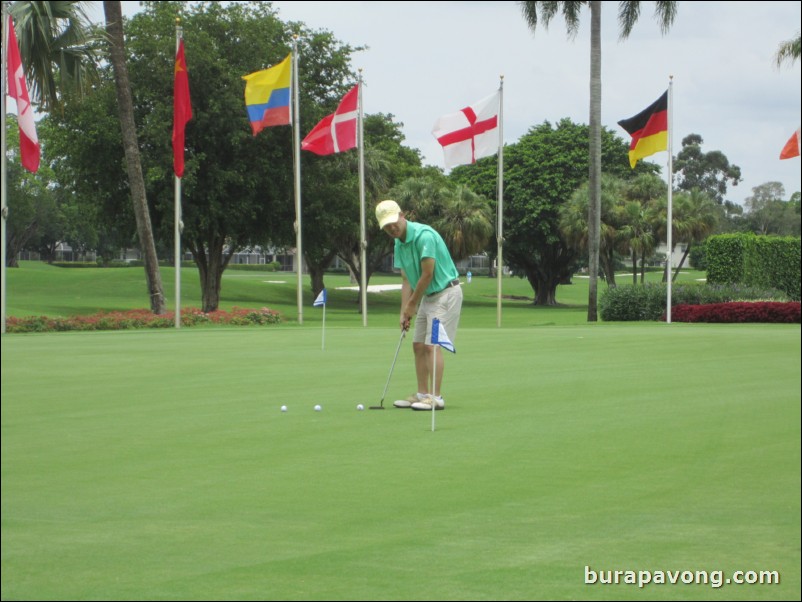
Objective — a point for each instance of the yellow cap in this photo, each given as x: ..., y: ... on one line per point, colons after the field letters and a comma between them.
x: 387, y: 212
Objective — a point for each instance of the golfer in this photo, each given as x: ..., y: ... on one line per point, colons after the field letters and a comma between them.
x: 429, y: 289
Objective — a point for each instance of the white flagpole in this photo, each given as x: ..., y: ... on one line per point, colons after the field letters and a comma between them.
x: 4, y: 177
x: 500, y: 216
x: 323, y: 342
x: 669, y: 218
x: 363, y: 243
x: 179, y: 32
x: 297, y: 155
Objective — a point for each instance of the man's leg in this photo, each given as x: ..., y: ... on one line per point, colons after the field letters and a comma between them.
x: 423, y: 368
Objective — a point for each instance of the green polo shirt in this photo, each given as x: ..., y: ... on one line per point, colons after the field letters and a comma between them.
x: 421, y: 242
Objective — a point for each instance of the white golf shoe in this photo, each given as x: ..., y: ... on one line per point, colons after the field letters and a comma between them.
x: 405, y: 403
x: 426, y: 403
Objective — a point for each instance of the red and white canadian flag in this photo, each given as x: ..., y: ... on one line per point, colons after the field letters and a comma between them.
x: 471, y: 133
x: 336, y: 132
x: 791, y: 148
x: 18, y: 90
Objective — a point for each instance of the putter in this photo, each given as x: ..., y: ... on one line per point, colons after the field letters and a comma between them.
x: 397, y: 349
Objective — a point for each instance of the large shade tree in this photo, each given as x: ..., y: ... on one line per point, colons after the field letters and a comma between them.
x: 237, y: 188
x: 541, y: 173
x: 628, y: 13
x: 710, y: 172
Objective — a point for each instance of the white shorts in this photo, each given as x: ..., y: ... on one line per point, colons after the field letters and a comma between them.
x: 445, y: 306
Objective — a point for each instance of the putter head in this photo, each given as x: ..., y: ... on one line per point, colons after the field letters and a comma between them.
x: 376, y: 407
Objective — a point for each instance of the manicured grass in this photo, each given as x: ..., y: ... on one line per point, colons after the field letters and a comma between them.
x: 39, y: 289
x: 157, y: 465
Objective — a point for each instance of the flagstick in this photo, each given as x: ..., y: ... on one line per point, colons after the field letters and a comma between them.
x: 363, y: 244
x: 323, y: 344
x: 670, y: 220
x: 434, y: 381
x: 500, y: 218
x: 3, y: 173
x: 297, y: 156
x: 177, y: 233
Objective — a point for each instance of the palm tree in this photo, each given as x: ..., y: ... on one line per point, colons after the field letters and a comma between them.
x: 114, y: 29
x: 637, y: 234
x: 463, y: 218
x: 574, y: 223
x: 59, y: 48
x: 695, y: 217
x: 628, y: 13
x: 466, y: 222
x: 788, y: 51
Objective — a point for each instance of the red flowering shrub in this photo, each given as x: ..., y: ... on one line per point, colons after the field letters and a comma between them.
x: 757, y: 311
x: 142, y: 318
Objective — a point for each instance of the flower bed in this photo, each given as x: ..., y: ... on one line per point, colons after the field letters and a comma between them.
x: 759, y: 311
x: 142, y: 318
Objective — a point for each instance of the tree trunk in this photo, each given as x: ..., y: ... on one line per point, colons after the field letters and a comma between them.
x: 211, y: 264
x: 681, y: 263
x: 316, y: 278
x: 354, y: 263
x: 643, y: 267
x: 545, y: 288
x: 316, y: 265
x: 594, y: 210
x: 608, y: 267
x: 114, y: 28
x: 634, y: 268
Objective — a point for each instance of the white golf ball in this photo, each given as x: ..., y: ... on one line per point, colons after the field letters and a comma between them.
x: 360, y: 407
x: 283, y: 408
x: 318, y: 408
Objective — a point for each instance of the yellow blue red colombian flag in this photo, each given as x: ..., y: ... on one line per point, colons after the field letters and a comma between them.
x: 267, y: 96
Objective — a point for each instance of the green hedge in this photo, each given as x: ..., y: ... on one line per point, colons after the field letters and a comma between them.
x: 725, y: 258
x: 255, y: 267
x: 648, y: 301
x: 774, y: 261
x: 759, y: 261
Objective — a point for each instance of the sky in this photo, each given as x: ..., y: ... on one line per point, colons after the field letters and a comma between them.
x: 427, y: 59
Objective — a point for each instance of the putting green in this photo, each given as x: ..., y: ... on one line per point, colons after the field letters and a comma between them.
x: 158, y: 465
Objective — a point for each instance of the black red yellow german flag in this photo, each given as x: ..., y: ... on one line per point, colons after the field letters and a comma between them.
x: 649, y: 130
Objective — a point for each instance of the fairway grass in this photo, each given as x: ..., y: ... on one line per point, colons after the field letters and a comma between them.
x: 158, y: 465
x: 39, y: 289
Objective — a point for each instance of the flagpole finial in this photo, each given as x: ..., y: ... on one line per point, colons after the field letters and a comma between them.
x: 178, y: 21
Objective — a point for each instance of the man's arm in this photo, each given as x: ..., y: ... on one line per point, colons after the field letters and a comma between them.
x: 410, y: 298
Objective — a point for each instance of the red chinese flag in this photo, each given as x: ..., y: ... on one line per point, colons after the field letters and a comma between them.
x: 182, y: 109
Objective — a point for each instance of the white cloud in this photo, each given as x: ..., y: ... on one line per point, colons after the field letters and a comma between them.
x: 432, y: 58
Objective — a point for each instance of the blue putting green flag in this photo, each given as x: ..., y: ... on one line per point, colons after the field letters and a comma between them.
x: 321, y: 299
x: 440, y: 336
